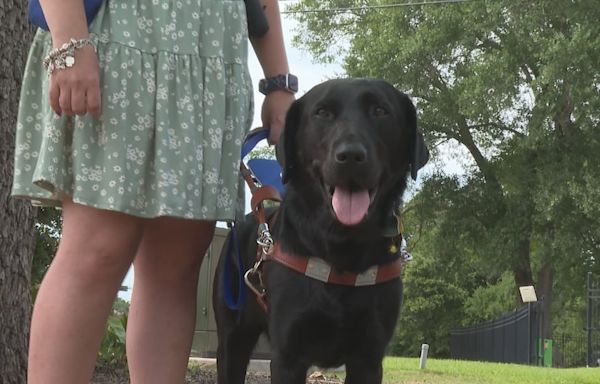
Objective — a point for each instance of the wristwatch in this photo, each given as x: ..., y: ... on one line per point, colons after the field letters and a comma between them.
x: 287, y: 82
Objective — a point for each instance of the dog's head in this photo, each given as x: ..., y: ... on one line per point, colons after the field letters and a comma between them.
x: 350, y: 144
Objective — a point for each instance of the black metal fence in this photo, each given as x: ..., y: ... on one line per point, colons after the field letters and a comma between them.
x: 571, y: 351
x: 511, y: 338
x: 593, y: 322
x: 514, y: 338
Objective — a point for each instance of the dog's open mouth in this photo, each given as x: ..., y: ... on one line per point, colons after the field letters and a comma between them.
x: 350, y: 206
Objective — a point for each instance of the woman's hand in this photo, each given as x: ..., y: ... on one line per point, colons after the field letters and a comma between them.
x: 274, y: 110
x: 76, y: 90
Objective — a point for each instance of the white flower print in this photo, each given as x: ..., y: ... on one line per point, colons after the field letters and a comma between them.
x: 176, y: 105
x: 162, y: 93
x: 211, y: 177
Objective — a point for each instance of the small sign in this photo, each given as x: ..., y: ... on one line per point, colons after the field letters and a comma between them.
x: 528, y: 294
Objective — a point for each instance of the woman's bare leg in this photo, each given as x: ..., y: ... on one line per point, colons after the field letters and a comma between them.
x: 163, y: 306
x: 76, y: 295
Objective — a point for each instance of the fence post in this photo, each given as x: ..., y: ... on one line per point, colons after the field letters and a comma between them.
x: 529, y: 333
x: 423, y: 359
x: 540, y: 332
x: 589, y: 319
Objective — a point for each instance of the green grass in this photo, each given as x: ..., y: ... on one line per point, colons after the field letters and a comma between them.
x: 399, y: 370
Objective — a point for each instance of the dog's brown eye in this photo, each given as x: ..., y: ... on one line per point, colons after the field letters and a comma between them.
x: 324, y: 113
x: 379, y: 111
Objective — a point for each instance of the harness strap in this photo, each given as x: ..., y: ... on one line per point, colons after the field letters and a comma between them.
x: 318, y: 269
x: 253, y: 276
x: 263, y: 193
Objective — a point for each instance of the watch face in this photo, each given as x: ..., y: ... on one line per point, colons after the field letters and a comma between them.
x: 292, y: 83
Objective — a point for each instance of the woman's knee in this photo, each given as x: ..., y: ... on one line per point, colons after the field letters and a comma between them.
x: 98, y: 243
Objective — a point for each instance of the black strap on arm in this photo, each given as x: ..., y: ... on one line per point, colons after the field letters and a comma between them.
x: 257, y: 21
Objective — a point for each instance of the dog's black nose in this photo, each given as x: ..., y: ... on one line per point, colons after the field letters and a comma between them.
x: 350, y: 153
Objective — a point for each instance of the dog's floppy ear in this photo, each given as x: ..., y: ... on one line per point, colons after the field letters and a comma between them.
x: 419, y: 154
x: 285, y: 148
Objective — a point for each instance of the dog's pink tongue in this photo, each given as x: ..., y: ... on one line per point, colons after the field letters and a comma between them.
x: 350, y: 207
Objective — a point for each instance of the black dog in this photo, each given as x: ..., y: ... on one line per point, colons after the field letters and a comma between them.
x: 348, y: 147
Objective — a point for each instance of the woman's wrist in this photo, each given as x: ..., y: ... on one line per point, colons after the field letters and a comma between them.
x: 60, y: 38
x: 280, y: 82
x: 64, y: 56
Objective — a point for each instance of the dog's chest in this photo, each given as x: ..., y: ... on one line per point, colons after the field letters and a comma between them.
x: 322, y: 322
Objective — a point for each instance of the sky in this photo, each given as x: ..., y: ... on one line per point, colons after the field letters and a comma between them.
x: 301, y: 64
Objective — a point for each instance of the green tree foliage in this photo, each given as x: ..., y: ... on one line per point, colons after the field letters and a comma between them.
x: 263, y: 152
x: 435, y: 301
x: 515, y: 84
x: 48, y: 229
x: 112, y: 354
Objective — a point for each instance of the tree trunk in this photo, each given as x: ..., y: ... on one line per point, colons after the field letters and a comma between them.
x: 16, y: 217
x: 544, y: 285
x: 522, y: 268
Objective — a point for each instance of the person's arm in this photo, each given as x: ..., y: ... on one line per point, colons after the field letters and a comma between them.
x: 270, y: 51
x: 75, y: 90
x: 66, y: 20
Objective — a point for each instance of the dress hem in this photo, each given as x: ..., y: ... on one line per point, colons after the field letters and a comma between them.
x: 41, y: 201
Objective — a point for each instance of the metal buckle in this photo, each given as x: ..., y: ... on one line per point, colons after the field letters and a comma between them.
x: 265, y: 240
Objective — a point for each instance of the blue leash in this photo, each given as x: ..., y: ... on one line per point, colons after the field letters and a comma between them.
x: 271, y: 172
x: 234, y: 303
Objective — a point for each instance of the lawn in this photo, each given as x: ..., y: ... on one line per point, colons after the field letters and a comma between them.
x: 398, y: 370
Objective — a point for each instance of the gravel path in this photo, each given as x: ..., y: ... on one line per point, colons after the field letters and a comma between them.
x: 205, y: 375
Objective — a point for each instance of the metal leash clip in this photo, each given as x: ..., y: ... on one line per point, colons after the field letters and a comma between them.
x: 265, y: 240
x: 255, y: 286
x: 253, y: 276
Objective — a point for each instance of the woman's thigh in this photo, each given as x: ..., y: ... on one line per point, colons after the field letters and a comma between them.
x: 97, y: 242
x: 172, y: 248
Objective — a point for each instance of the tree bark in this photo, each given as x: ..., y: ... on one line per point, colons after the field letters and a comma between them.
x: 544, y: 285
x: 16, y: 217
x: 522, y: 268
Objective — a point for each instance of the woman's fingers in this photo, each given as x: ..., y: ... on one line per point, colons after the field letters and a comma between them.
x: 75, y: 100
x: 93, y: 101
x: 64, y: 100
x: 78, y: 101
x: 54, y: 93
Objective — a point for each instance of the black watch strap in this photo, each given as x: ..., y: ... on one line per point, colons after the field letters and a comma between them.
x: 287, y: 82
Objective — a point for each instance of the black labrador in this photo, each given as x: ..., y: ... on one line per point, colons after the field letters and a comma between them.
x: 348, y: 147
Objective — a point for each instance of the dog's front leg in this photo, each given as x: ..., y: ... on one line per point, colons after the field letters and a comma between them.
x: 287, y: 372
x: 363, y: 371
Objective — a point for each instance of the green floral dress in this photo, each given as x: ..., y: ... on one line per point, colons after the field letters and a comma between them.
x: 176, y: 104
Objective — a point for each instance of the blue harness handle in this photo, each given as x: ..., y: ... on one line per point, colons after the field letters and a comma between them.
x: 234, y: 303
x: 266, y: 171
x: 253, y: 138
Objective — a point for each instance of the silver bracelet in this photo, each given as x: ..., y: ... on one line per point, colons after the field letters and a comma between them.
x: 64, y: 57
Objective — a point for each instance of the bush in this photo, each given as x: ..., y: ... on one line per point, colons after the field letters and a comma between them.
x: 112, y: 354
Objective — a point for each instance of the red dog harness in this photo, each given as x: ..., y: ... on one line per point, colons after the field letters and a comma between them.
x: 319, y: 269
